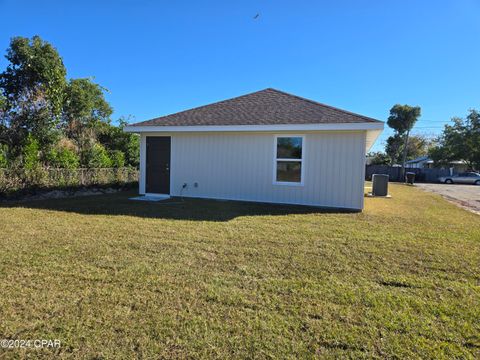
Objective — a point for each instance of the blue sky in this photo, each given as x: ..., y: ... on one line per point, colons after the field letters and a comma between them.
x: 159, y: 57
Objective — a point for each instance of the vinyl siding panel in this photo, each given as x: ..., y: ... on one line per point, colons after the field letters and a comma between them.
x: 239, y: 166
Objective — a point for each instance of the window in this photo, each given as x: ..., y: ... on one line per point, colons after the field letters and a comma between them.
x: 288, y: 163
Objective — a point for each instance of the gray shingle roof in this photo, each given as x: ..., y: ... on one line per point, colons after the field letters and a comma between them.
x: 265, y: 107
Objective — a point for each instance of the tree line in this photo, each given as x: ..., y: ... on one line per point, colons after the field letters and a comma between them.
x: 47, y: 120
x: 459, y: 140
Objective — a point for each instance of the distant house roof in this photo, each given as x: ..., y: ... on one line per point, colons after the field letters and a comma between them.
x: 417, y: 160
x: 265, y: 107
x: 427, y: 160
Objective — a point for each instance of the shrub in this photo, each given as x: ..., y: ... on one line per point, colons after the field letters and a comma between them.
x: 114, y: 138
x: 68, y: 159
x: 31, y: 154
x: 118, y: 158
x: 17, y: 181
x: 63, y: 158
x: 67, y: 143
x: 96, y: 157
x: 37, y: 176
x: 133, y: 150
x: 3, y: 156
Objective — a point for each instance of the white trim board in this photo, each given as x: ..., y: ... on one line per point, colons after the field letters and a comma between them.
x: 248, y: 128
x: 373, y: 130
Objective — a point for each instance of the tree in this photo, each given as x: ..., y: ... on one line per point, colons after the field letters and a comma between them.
x: 460, y: 141
x: 378, y: 158
x: 84, y: 110
x: 3, y: 125
x: 114, y: 138
x: 39, y: 108
x: 393, y: 148
x: 402, y: 119
x: 32, y: 88
x: 418, y: 145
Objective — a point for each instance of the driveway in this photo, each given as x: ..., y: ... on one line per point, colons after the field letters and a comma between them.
x: 466, y: 196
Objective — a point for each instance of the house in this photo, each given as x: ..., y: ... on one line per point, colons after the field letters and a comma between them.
x: 424, y: 162
x: 267, y: 146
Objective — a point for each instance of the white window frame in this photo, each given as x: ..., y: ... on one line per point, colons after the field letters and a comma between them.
x: 301, y: 161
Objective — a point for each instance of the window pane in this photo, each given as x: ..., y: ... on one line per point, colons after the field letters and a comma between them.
x: 289, y: 148
x: 289, y: 171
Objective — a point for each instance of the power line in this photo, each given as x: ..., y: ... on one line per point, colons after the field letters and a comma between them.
x: 435, y: 121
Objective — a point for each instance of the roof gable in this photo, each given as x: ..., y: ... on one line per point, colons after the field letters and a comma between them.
x: 265, y: 107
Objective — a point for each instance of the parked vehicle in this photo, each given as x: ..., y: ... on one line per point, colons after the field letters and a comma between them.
x: 463, y: 178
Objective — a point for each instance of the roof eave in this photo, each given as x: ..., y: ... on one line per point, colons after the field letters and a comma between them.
x: 256, y: 128
x: 373, y: 129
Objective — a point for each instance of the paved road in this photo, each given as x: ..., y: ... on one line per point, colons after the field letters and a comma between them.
x: 467, y: 196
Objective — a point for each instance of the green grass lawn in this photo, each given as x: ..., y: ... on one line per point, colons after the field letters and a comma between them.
x: 113, y: 278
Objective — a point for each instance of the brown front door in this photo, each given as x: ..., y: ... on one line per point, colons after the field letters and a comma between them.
x: 158, y: 165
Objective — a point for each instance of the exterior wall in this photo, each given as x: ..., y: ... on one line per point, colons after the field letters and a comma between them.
x: 240, y: 166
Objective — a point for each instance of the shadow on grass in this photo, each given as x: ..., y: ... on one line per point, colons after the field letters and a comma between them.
x: 175, y: 208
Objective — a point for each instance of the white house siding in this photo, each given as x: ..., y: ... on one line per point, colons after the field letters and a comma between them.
x: 240, y: 166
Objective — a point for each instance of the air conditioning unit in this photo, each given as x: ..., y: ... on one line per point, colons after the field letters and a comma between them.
x: 379, y: 185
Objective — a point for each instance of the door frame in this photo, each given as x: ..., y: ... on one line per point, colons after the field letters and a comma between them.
x: 169, y: 172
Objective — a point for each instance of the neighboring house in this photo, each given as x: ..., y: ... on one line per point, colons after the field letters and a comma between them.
x: 267, y: 146
x: 424, y: 162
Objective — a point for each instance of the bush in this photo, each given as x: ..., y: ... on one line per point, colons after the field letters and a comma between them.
x: 114, y: 138
x: 133, y: 150
x: 36, y: 176
x: 96, y: 157
x: 118, y: 158
x: 18, y: 181
x: 31, y: 154
x: 3, y: 156
x: 63, y: 158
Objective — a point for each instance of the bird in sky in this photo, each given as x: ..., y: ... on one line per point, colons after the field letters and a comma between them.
x: 256, y: 16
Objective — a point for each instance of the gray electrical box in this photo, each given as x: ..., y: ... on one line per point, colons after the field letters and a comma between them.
x: 380, y: 185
